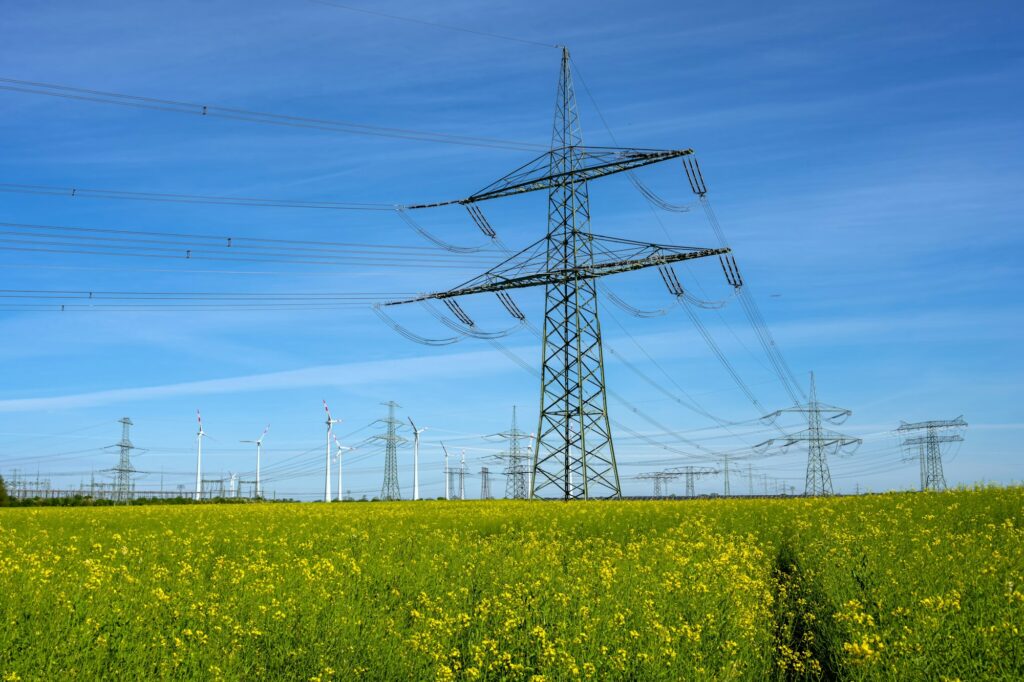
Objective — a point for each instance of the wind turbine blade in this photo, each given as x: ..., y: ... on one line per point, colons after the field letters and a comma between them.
x: 327, y: 410
x: 413, y: 424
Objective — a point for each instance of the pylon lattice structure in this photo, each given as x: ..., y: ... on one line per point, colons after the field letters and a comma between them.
x: 929, y: 446
x: 390, y: 490
x: 660, y: 479
x: 574, y: 455
x: 124, y: 470
x: 820, y: 441
x: 691, y: 474
x: 517, y: 485
x: 485, y: 483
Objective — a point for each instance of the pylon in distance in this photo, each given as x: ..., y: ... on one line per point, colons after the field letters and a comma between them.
x: 819, y: 440
x: 123, y: 472
x: 390, y: 490
x: 485, y: 483
x: 930, y: 447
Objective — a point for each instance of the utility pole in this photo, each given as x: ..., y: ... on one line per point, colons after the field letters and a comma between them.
x: 750, y: 479
x: 327, y: 457
x: 123, y: 472
x: 929, y: 446
x: 199, y: 457
x: 416, y: 459
x: 390, y: 490
x: 819, y: 440
x: 485, y: 483
x: 574, y: 457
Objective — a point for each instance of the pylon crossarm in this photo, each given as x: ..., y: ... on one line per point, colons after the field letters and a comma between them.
x: 592, y: 162
x: 924, y: 440
x: 935, y: 424
x: 509, y: 275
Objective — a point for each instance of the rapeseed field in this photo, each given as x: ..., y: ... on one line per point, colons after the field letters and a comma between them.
x: 899, y: 586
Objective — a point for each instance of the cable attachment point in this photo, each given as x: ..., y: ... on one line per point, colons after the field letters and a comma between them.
x: 731, y: 270
x: 458, y: 312
x: 694, y: 175
x: 510, y: 306
x: 668, y: 275
x: 481, y: 221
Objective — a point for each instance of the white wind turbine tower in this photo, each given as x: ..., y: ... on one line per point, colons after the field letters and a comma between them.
x: 340, y: 449
x: 416, y: 459
x: 199, y: 457
x: 327, y: 470
x: 259, y: 448
x: 462, y: 476
x: 447, y: 478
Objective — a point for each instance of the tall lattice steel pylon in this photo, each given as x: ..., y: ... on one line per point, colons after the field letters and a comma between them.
x: 574, y: 454
x: 660, y: 479
x: 390, y: 490
x: 691, y: 474
x: 574, y: 457
x: 123, y: 472
x: 930, y: 447
x: 485, y: 483
x: 517, y: 485
x: 820, y: 441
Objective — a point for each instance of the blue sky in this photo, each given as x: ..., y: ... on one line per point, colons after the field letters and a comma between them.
x: 864, y: 159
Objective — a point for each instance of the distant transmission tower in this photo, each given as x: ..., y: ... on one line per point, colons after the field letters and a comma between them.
x: 660, y: 479
x: 485, y: 483
x: 517, y: 482
x: 929, y: 447
x: 691, y: 474
x: 389, y: 490
x: 820, y: 441
x: 574, y: 456
x: 123, y: 472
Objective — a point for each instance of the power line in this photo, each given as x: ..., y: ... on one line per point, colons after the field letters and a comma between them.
x: 251, y: 116
x: 74, y: 192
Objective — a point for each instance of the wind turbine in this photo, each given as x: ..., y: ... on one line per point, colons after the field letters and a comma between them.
x: 447, y: 496
x: 199, y: 457
x: 340, y: 449
x: 416, y: 459
x: 327, y: 471
x: 462, y: 476
x: 259, y: 447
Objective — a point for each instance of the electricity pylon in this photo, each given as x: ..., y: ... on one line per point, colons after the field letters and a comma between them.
x: 485, y: 483
x: 389, y: 490
x: 574, y: 455
x: 692, y: 473
x: 517, y: 485
x: 929, y: 447
x: 660, y: 480
x: 819, y: 440
x: 123, y: 472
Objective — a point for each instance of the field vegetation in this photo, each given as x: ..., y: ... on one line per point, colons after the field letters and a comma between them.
x: 900, y: 586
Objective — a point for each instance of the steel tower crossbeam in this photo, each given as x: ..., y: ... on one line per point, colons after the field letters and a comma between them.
x: 547, y: 171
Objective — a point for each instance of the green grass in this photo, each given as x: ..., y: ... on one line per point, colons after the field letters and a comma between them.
x: 925, y: 586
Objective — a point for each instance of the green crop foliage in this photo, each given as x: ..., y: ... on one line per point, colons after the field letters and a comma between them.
x: 901, y: 586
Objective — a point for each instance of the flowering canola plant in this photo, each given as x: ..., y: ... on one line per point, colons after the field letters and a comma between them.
x: 866, y: 588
